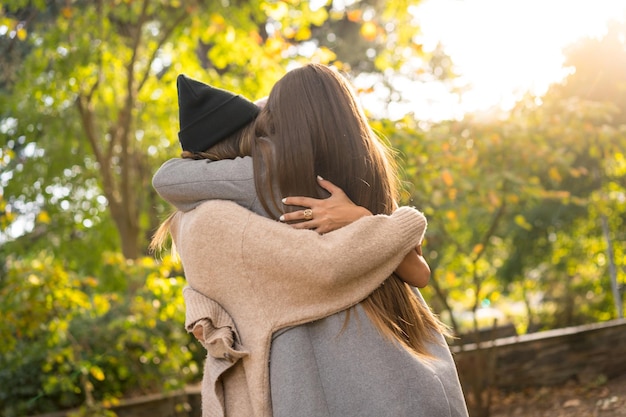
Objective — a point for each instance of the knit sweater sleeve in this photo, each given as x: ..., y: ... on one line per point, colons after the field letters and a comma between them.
x: 310, y: 276
x: 267, y: 275
x: 186, y: 183
x: 253, y: 266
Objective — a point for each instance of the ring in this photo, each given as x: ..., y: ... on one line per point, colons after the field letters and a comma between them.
x: 308, y: 214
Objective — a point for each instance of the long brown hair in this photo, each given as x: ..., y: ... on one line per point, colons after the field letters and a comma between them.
x: 312, y: 125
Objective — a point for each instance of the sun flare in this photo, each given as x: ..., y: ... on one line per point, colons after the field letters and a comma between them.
x: 503, y: 48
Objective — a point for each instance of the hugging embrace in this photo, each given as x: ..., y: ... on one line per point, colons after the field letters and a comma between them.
x: 302, y: 271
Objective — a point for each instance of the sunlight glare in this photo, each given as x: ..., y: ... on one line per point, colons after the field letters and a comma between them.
x: 502, y: 49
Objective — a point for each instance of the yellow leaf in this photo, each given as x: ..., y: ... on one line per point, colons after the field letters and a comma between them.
x: 289, y: 32
x: 521, y: 222
x: 303, y: 34
x: 365, y: 90
x: 43, y: 217
x: 66, y: 12
x: 34, y: 279
x: 97, y: 373
x: 418, y: 48
x: 230, y: 34
x: 276, y: 10
x: 354, y: 15
x: 340, y: 66
x: 554, y: 174
x: 7, y: 218
x: 90, y: 282
x: 369, y: 31
x: 447, y: 178
x: 274, y: 45
x: 451, y: 215
x: 324, y: 55
x: 254, y: 35
x: 319, y: 16
x: 217, y: 19
x: 21, y: 34
x: 478, y: 248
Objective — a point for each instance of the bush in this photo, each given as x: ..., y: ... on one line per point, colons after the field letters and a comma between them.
x: 71, y: 340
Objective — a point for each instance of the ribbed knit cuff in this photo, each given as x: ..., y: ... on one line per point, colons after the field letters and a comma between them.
x: 197, y: 307
x: 412, y: 222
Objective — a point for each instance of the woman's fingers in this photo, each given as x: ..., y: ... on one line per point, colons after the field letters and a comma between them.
x: 328, y: 186
x: 312, y: 202
x: 299, y: 215
x: 323, y: 215
x: 300, y: 201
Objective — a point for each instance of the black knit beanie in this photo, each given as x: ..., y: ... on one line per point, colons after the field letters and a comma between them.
x: 208, y: 114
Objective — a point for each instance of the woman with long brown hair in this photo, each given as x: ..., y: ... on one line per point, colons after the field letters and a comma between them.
x: 396, y: 361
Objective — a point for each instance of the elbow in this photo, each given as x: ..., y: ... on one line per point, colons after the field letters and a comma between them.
x: 418, y: 275
x: 423, y: 275
x: 422, y: 282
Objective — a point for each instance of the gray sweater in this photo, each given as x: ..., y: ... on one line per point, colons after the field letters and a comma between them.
x: 321, y: 368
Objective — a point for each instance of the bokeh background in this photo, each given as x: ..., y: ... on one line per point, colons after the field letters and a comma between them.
x: 508, y: 118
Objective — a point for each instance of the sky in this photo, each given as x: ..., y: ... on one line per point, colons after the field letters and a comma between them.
x: 503, y: 48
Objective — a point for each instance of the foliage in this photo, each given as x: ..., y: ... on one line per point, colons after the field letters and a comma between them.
x: 516, y: 206
x: 88, y: 111
x: 89, y: 98
x: 521, y: 209
x: 599, y: 71
x: 68, y: 340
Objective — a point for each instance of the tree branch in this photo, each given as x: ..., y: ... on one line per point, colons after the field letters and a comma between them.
x: 167, y: 32
x: 444, y: 300
x: 494, y: 225
x: 83, y: 104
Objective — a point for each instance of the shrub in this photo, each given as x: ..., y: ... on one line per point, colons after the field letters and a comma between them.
x: 72, y: 340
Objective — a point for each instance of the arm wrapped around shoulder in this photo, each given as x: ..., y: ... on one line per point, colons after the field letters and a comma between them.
x: 289, y: 276
x: 302, y: 270
x: 412, y: 218
x: 186, y: 183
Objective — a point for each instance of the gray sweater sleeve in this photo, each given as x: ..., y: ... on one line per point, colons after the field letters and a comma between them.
x: 185, y: 183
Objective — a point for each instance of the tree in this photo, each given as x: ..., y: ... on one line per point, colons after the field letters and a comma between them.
x: 88, y: 111
x: 599, y: 78
x: 519, y: 207
x: 598, y: 71
x: 90, y: 102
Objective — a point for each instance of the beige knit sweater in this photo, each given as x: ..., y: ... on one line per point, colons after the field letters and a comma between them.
x: 262, y: 276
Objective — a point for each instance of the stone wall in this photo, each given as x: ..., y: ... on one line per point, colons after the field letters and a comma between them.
x: 583, y: 353
x: 184, y: 403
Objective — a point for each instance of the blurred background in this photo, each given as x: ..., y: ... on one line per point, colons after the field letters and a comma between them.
x: 508, y: 117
